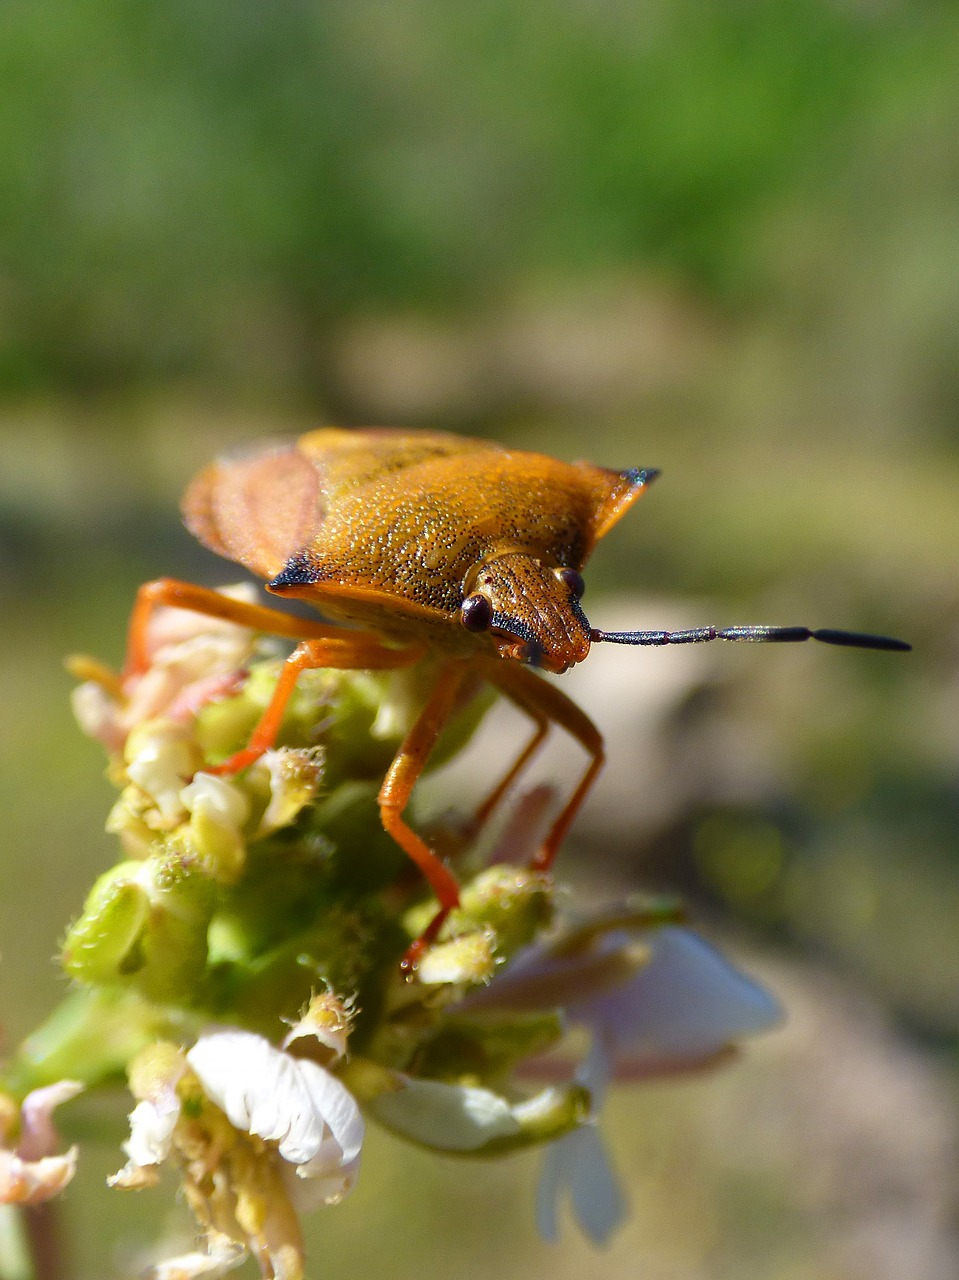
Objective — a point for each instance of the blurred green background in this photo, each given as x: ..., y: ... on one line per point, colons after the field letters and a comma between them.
x: 722, y: 240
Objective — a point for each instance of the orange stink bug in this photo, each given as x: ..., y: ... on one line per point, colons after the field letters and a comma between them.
x: 418, y: 544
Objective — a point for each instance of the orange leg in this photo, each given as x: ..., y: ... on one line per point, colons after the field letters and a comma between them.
x: 321, y: 645
x: 519, y: 764
x: 544, y: 702
x: 213, y: 604
x: 397, y: 788
x: 354, y: 652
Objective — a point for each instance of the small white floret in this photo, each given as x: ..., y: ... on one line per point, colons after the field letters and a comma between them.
x: 308, y: 1113
x: 151, y: 1130
x: 223, y: 1255
x: 160, y: 756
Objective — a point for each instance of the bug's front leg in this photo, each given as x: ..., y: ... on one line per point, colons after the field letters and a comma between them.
x: 545, y: 702
x: 347, y: 652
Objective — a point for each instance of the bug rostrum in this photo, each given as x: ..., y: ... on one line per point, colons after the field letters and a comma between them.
x: 416, y: 546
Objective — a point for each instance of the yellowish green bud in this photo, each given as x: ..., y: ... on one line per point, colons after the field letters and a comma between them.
x: 155, y: 1069
x: 468, y: 960
x: 113, y: 919
x: 144, y: 923
x: 512, y: 904
x: 322, y: 1030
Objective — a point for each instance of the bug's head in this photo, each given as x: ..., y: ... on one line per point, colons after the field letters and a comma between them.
x: 530, y: 610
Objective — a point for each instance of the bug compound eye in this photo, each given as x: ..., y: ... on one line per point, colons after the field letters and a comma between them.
x: 573, y: 580
x: 476, y: 613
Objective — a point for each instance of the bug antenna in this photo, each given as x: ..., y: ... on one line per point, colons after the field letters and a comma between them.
x: 761, y: 634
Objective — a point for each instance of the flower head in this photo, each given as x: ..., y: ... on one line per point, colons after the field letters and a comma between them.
x: 657, y: 1000
x: 239, y: 1117
x: 270, y: 904
x: 194, y: 660
x: 30, y: 1169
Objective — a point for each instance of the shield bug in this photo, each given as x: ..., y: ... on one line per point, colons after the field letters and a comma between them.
x: 421, y: 545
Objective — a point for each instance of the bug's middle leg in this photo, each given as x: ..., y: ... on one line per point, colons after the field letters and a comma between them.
x: 397, y: 788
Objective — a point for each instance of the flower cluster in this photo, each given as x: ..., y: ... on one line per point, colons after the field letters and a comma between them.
x: 241, y: 967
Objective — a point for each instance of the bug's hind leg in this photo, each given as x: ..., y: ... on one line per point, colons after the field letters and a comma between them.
x: 321, y: 645
x: 485, y: 810
x: 547, y: 704
x: 174, y: 594
x: 397, y: 788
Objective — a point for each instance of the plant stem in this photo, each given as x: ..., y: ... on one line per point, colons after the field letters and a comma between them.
x: 44, y: 1229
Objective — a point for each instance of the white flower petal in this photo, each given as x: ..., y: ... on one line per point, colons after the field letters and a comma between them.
x: 309, y: 1191
x: 308, y: 1112
x: 549, y: 1189
x: 95, y: 711
x: 445, y: 1116
x: 224, y: 1255
x: 160, y: 757
x: 596, y: 1071
x: 217, y: 799
x: 33, y: 1181
x: 598, y: 1200
x: 338, y: 1108
x: 37, y: 1134
x: 218, y: 809
x: 579, y: 1163
x: 151, y: 1130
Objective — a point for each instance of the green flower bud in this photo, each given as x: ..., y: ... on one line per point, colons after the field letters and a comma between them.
x: 513, y: 904
x: 99, y: 944
x: 144, y: 923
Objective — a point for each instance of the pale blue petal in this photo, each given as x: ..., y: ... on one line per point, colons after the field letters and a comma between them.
x: 549, y: 1189
x: 598, y: 1200
x: 688, y: 1001
x: 579, y: 1165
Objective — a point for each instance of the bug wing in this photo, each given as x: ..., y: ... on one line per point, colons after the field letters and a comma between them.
x: 263, y: 507
x: 257, y: 509
x: 348, y: 458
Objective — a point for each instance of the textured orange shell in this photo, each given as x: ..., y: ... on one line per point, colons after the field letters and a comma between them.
x: 390, y: 528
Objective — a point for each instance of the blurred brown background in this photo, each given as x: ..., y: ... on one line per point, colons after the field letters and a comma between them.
x: 721, y: 240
